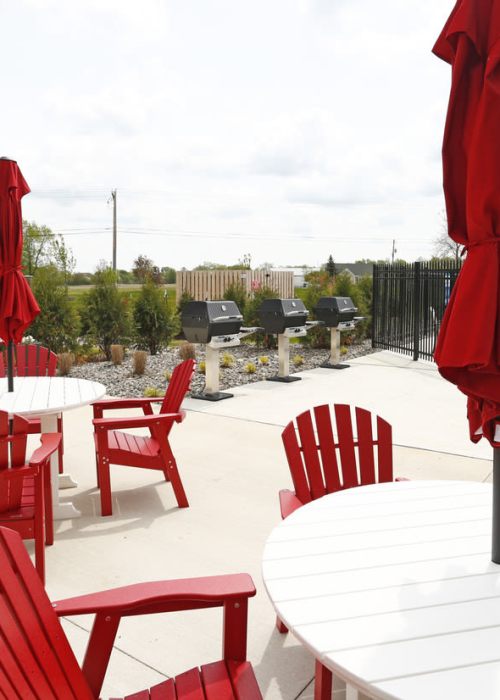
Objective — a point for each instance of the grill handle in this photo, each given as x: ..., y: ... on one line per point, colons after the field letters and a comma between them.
x: 237, y: 317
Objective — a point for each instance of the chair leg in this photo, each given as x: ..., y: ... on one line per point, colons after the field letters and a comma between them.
x: 104, y: 480
x: 323, y: 682
x: 60, y: 450
x: 48, y: 515
x: 280, y: 626
x: 172, y: 474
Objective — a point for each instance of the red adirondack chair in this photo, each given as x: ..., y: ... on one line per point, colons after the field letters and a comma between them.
x: 152, y: 452
x: 37, y: 662
x: 35, y: 361
x: 328, y: 453
x: 25, y: 495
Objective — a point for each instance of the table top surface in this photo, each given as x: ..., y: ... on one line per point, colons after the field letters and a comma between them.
x: 45, y: 395
x: 393, y: 588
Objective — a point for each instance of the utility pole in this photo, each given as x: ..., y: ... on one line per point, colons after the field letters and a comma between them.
x: 394, y: 251
x: 113, y: 197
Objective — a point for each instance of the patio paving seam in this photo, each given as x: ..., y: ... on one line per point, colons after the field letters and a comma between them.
x: 121, y: 651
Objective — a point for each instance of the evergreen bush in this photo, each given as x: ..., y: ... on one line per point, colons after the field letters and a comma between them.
x: 154, y: 322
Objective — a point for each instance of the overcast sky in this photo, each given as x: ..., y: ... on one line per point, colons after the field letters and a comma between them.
x: 286, y: 129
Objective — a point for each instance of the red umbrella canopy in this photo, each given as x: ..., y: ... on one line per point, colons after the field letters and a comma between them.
x: 468, y: 347
x: 18, y: 306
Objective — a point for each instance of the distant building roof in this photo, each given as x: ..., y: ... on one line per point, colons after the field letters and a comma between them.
x: 358, y: 269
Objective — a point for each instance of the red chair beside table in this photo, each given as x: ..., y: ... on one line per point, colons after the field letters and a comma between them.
x: 31, y: 360
x: 38, y: 662
x: 328, y: 451
x: 150, y: 452
x: 25, y: 494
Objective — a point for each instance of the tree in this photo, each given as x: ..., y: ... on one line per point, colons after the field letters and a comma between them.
x: 169, y: 275
x: 330, y: 267
x: 43, y: 247
x: 104, y: 311
x: 154, y: 322
x: 57, y: 325
x: 145, y: 269
x: 237, y: 293
x: 444, y: 246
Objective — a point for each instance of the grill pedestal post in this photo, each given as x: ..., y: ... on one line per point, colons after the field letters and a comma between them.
x: 334, y: 360
x: 284, y: 361
x: 211, y: 392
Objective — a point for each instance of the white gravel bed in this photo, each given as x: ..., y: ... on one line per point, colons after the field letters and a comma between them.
x: 120, y: 380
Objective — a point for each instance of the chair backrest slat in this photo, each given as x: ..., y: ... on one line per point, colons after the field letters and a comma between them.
x: 346, y: 446
x: 312, y: 464
x: 178, y: 386
x: 32, y: 631
x: 365, y: 447
x: 384, y: 450
x: 327, y: 448
x: 296, y: 464
x: 313, y: 440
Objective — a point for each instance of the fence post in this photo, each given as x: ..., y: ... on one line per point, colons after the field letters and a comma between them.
x: 375, y: 308
x: 416, y: 312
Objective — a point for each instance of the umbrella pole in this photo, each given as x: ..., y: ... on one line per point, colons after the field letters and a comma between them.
x: 495, y: 539
x: 10, y: 366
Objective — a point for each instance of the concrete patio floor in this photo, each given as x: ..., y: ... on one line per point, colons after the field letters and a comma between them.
x: 232, y: 464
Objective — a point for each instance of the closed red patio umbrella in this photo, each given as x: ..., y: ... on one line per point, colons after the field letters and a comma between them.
x: 18, y: 306
x: 468, y: 347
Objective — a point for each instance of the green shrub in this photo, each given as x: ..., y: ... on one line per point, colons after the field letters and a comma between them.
x: 251, y: 315
x: 57, y: 325
x: 184, y: 298
x: 202, y: 367
x: 264, y: 360
x: 250, y: 368
x: 298, y: 360
x: 154, y: 322
x: 104, y: 311
x: 237, y: 293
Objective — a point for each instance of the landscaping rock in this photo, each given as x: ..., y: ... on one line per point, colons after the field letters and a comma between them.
x: 120, y: 380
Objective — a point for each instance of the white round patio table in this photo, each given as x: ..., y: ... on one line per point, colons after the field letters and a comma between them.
x: 392, y: 588
x: 46, y: 397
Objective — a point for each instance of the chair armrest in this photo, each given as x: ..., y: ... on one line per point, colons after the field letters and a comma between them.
x: 18, y: 472
x: 160, y: 596
x: 110, y: 606
x: 136, y: 421
x: 137, y: 402
x: 50, y: 443
x: 288, y: 503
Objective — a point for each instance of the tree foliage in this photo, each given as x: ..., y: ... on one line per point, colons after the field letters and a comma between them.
x: 43, y: 247
x: 237, y: 293
x: 57, y: 325
x: 330, y: 267
x: 154, y: 322
x: 105, y: 316
x: 144, y: 269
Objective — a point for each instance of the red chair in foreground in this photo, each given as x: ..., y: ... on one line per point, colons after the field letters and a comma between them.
x: 31, y: 360
x: 152, y: 452
x: 329, y: 452
x: 25, y: 495
x: 37, y: 661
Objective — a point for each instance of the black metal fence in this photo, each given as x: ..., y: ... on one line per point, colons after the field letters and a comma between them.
x: 408, y: 305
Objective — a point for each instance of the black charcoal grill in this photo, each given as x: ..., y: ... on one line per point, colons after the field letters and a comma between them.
x: 216, y: 324
x: 286, y: 318
x: 338, y: 314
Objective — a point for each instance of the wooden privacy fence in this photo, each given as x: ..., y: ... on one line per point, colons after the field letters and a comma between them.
x: 212, y: 284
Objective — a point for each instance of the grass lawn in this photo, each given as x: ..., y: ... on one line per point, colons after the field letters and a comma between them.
x: 132, y: 290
